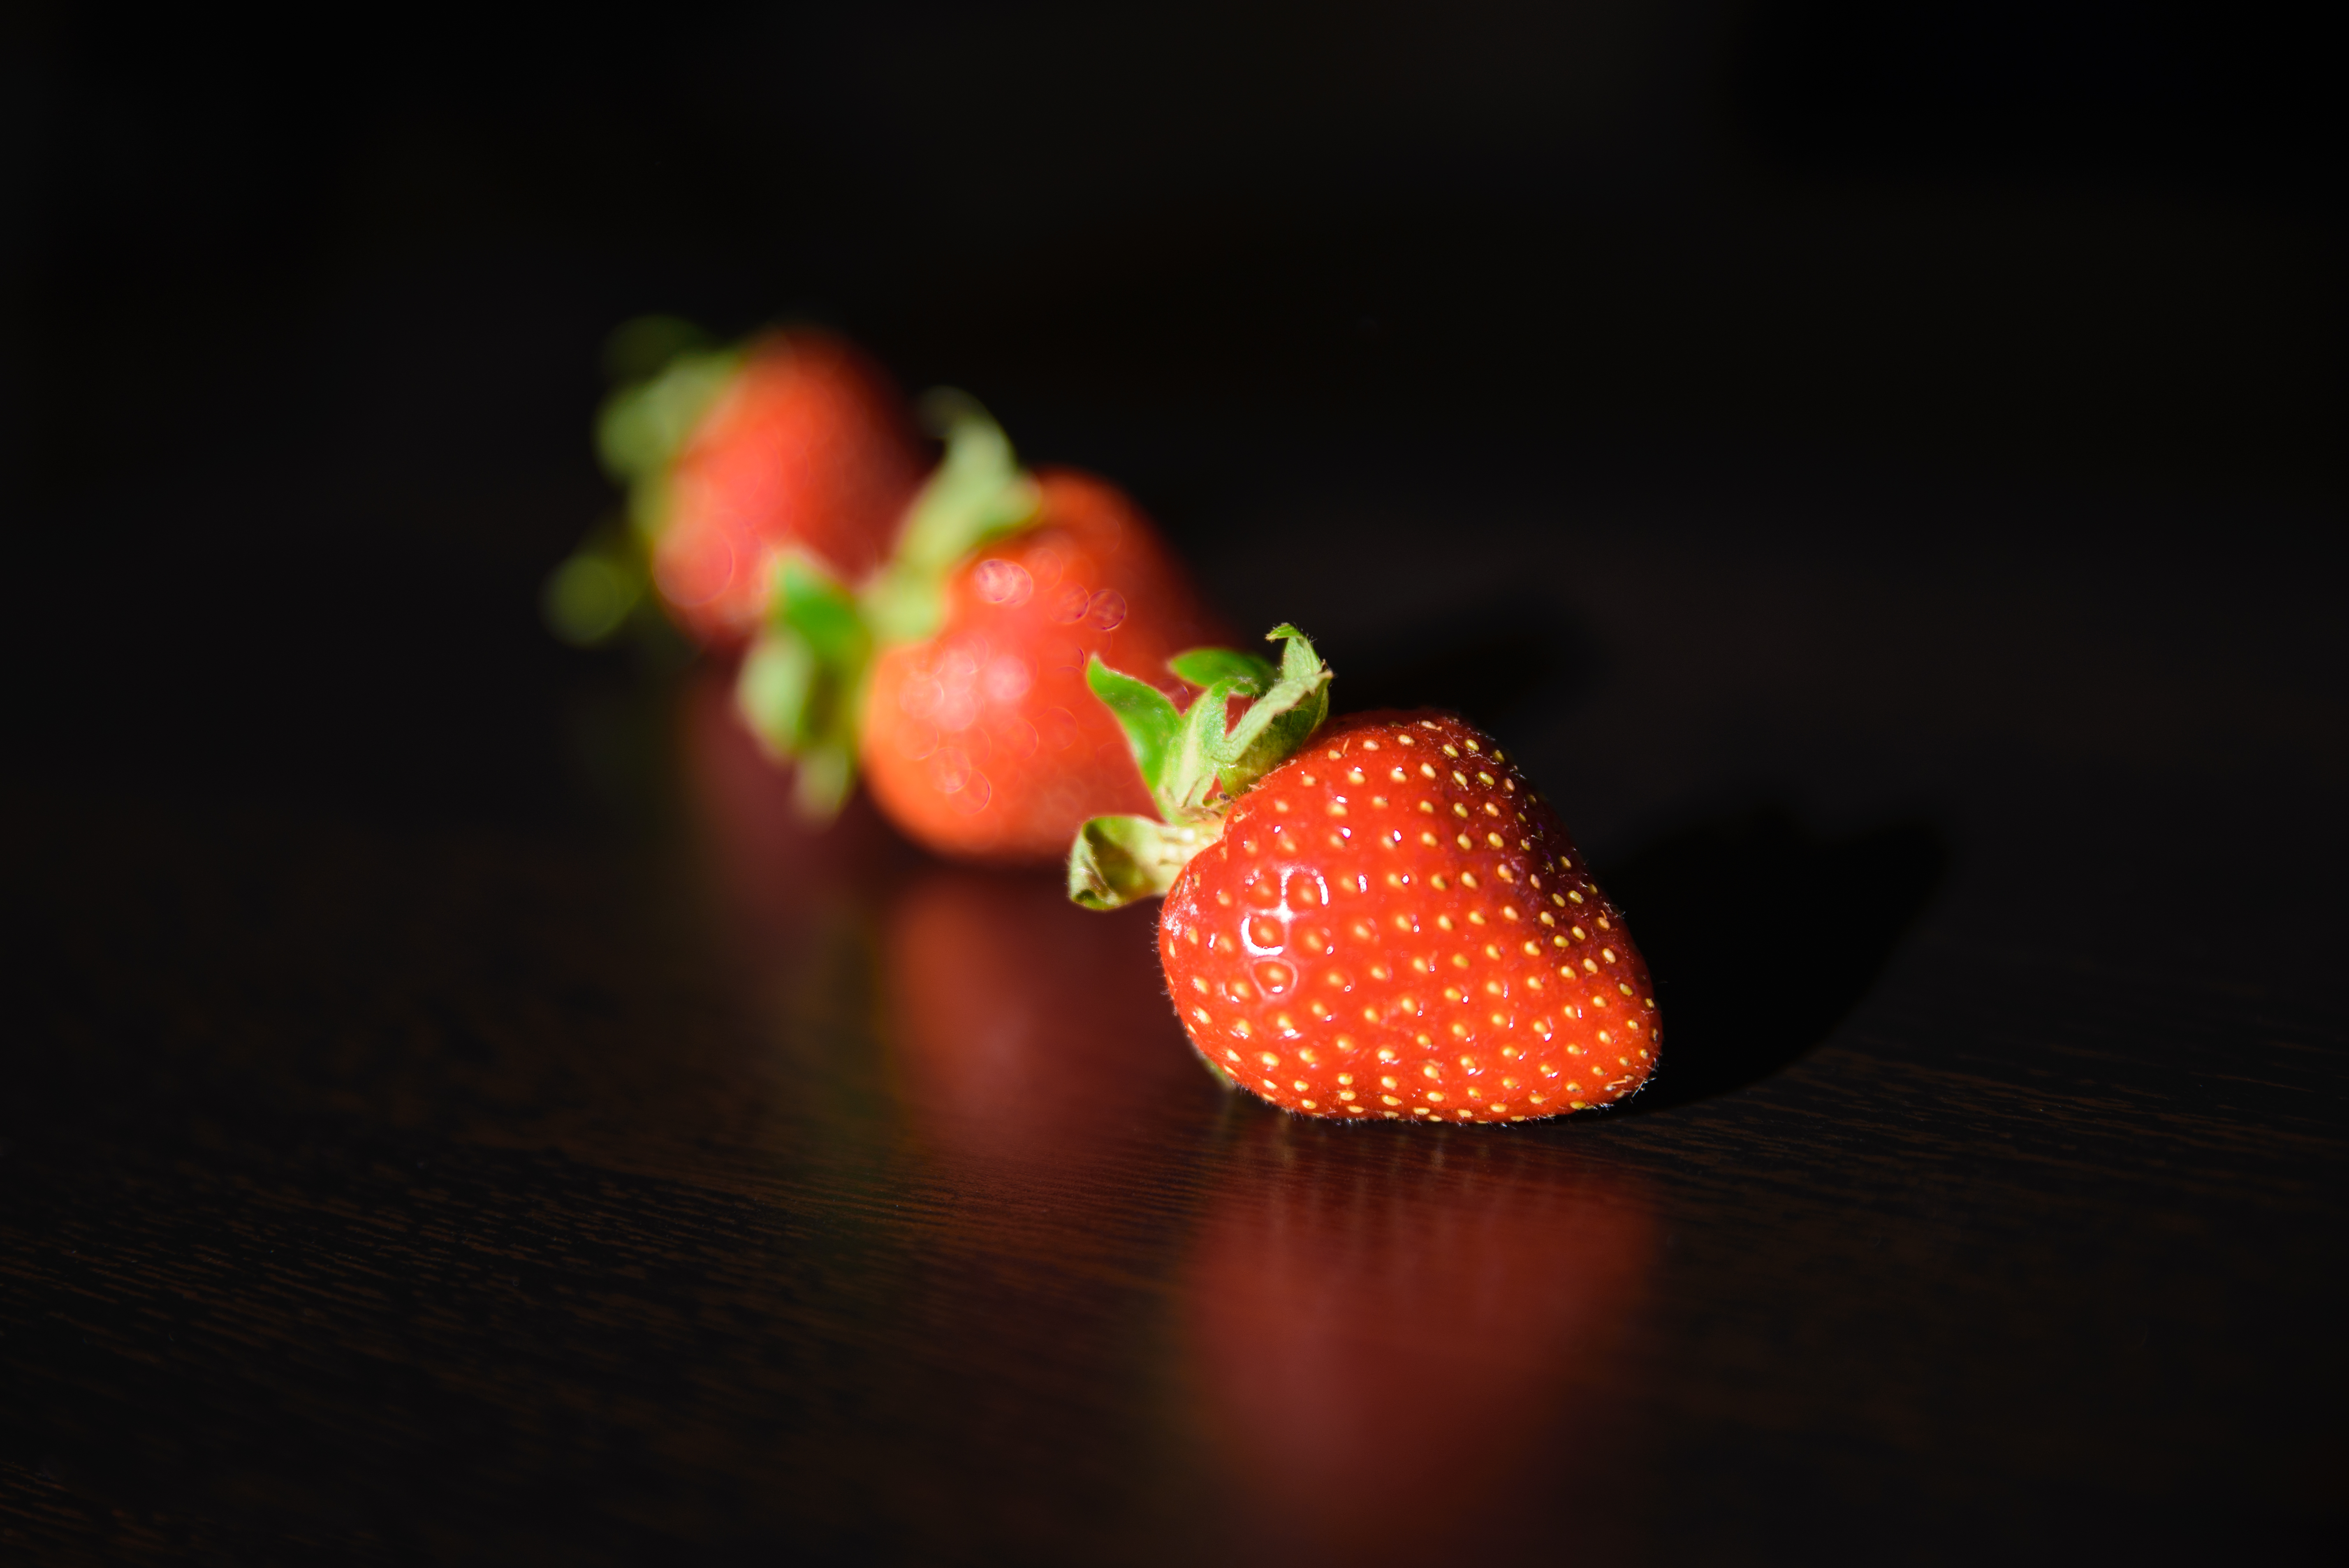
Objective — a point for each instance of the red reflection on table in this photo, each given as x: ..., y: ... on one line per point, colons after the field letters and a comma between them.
x: 774, y: 868
x: 1410, y: 1351
x: 1025, y: 1029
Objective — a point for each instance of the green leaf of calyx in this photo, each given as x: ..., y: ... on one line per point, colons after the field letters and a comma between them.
x: 1205, y: 667
x: 807, y: 600
x: 773, y: 690
x: 1280, y: 721
x: 821, y: 782
x: 644, y: 425
x: 1148, y: 720
x: 589, y: 598
x: 1118, y: 860
x: 978, y: 494
x: 1184, y: 759
x: 802, y: 680
x: 1198, y: 755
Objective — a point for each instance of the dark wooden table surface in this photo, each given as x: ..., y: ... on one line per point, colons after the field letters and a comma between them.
x: 453, y: 1115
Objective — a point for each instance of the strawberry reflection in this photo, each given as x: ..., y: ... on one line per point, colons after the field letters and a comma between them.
x: 789, y: 911
x: 1401, y: 1346
x: 775, y: 872
x: 1050, y: 1106
x: 1029, y: 1032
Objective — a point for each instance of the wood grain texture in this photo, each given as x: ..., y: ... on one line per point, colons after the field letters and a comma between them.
x: 394, y: 1190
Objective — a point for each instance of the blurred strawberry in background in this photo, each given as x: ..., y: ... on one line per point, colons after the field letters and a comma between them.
x: 955, y: 673
x: 793, y: 441
x: 982, y: 741
x: 1402, y: 1347
x: 933, y: 630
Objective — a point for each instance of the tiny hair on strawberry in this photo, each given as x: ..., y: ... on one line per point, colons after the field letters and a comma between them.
x: 1375, y: 917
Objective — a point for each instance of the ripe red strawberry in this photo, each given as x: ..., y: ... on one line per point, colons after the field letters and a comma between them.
x: 1392, y: 1354
x: 794, y: 440
x: 956, y: 673
x: 982, y: 741
x: 1380, y: 919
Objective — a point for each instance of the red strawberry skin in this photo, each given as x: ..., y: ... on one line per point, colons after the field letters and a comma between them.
x: 808, y: 445
x: 983, y: 742
x: 1394, y: 926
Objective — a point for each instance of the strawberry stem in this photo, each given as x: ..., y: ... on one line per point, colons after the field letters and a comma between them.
x: 1195, y: 763
x: 1118, y: 860
x: 1205, y: 667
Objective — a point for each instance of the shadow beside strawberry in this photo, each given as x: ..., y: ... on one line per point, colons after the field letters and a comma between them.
x: 1851, y: 899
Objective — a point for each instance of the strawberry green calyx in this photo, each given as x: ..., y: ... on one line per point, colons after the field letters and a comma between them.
x: 1118, y: 860
x: 977, y: 494
x: 802, y: 680
x: 645, y: 423
x: 591, y: 594
x: 1196, y: 762
x: 669, y: 379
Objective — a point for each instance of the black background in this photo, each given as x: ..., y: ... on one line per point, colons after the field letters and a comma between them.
x: 302, y: 332
x: 1885, y: 455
